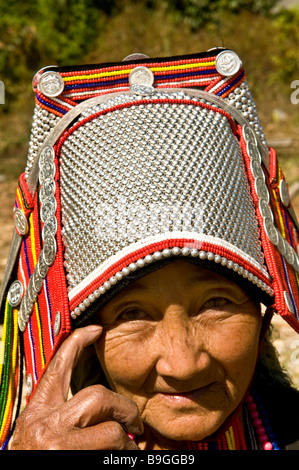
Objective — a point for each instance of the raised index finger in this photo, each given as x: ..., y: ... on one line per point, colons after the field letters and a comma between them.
x: 54, y: 385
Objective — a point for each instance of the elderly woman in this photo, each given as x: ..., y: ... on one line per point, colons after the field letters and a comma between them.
x: 151, y: 223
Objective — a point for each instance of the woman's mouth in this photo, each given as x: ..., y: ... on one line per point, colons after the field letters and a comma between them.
x: 184, y: 397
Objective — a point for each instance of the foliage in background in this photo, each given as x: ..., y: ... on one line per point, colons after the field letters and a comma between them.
x: 201, y: 12
x: 36, y: 33
x: 286, y: 43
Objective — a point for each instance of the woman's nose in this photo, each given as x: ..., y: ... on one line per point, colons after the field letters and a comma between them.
x: 182, y: 351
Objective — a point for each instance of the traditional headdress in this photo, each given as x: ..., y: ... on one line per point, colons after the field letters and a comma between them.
x: 130, y: 166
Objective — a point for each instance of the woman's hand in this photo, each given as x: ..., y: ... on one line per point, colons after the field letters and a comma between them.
x: 93, y: 419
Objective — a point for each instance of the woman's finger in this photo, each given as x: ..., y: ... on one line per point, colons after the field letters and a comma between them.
x: 96, y: 404
x: 54, y: 385
x: 104, y: 436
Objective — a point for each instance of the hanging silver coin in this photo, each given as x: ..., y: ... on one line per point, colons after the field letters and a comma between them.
x: 50, y: 249
x: 249, y: 134
x: 271, y: 231
x: 50, y: 227
x: 21, y: 222
x: 38, y: 280
x: 47, y: 154
x: 42, y: 266
x: 47, y: 189
x: 48, y: 208
x: 15, y: 293
x: 262, y: 190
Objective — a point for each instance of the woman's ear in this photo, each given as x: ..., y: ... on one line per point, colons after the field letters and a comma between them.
x: 87, y: 372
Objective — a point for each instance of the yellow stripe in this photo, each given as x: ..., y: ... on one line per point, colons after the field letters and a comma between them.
x: 33, y: 249
x: 2, y: 348
x: 11, y: 385
x: 20, y: 200
x: 128, y: 71
x: 230, y: 439
x: 279, y: 215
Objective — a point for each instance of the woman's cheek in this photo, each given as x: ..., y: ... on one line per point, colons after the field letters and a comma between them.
x: 123, y: 355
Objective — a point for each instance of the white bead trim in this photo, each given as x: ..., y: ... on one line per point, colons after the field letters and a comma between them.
x: 175, y: 251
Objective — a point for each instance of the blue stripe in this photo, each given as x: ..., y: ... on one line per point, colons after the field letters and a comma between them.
x: 124, y: 81
x: 231, y: 84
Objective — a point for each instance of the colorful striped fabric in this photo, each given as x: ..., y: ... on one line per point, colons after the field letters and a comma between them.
x: 194, y: 72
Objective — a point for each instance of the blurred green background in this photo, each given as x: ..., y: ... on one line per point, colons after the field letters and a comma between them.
x: 37, y: 33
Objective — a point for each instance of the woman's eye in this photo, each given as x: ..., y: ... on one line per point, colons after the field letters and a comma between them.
x: 217, y: 302
x: 133, y: 314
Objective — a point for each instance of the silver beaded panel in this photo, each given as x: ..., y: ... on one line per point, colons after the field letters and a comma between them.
x: 241, y: 98
x: 42, y: 124
x: 149, y: 170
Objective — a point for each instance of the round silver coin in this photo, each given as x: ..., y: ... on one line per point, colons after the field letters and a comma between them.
x: 21, y: 313
x: 249, y: 134
x: 21, y: 222
x: 51, y: 84
x: 48, y: 170
x: 142, y: 90
x: 47, y: 154
x: 288, y: 302
x: 262, y: 190
x: 253, y: 152
x: 289, y: 255
x: 284, y: 193
x: 42, y: 266
x: 281, y: 245
x: 22, y: 323
x: 15, y: 293
x: 28, y: 305
x: 265, y: 210
x: 47, y: 189
x: 228, y: 63
x: 135, y: 56
x: 49, y: 251
x: 38, y: 280
x: 48, y: 208
x: 256, y: 170
x: 32, y: 292
x: 296, y: 262
x: 141, y: 76
x: 271, y: 231
x: 50, y: 227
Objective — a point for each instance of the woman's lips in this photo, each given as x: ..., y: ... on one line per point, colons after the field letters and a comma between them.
x: 181, y: 397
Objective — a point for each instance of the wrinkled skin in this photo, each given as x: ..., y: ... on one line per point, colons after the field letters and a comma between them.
x: 50, y: 422
x: 178, y: 348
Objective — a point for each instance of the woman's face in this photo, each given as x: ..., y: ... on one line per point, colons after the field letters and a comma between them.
x: 182, y: 343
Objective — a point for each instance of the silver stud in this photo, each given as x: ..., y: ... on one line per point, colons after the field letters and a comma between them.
x: 228, y: 63
x: 288, y: 302
x: 57, y: 323
x: 15, y: 293
x: 284, y: 193
x: 21, y: 222
x: 51, y: 84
